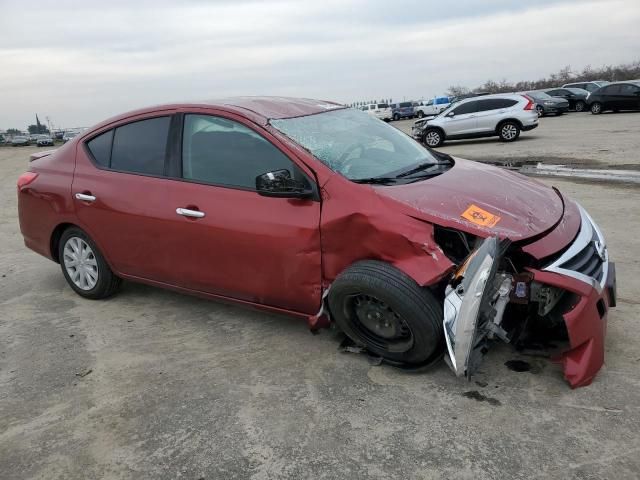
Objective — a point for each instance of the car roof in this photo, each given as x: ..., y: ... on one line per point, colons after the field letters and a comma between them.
x: 260, y: 109
x: 510, y: 96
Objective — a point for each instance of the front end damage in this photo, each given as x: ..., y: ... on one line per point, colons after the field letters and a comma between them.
x: 557, y: 306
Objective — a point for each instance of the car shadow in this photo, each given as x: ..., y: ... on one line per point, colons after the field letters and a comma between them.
x: 480, y: 141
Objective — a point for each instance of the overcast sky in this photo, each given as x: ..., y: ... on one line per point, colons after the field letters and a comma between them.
x: 81, y: 62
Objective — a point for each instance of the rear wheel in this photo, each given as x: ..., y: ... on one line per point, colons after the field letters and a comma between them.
x: 540, y: 111
x: 420, y: 114
x: 396, y: 117
x: 509, y: 131
x: 433, y: 138
x: 596, y: 108
x: 384, y: 310
x: 84, y: 267
x: 580, y: 106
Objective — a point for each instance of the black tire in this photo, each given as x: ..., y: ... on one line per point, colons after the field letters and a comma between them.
x: 418, y: 313
x: 420, y: 114
x: 433, y: 137
x: 107, y: 282
x: 396, y: 117
x: 508, y: 131
x: 540, y: 111
x: 596, y: 108
x: 580, y: 106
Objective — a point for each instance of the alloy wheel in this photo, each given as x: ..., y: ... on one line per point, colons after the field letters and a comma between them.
x: 80, y: 263
x: 432, y: 139
x: 509, y: 131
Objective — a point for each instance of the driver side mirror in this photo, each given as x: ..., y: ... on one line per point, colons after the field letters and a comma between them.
x: 279, y: 183
x: 451, y: 114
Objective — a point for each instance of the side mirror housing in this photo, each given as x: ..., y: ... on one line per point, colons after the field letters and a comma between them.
x: 279, y: 183
x: 451, y: 114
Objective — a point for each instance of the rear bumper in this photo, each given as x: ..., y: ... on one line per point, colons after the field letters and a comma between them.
x: 586, y: 324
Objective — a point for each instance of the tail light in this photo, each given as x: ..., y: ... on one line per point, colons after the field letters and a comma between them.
x: 530, y: 103
x: 25, y: 179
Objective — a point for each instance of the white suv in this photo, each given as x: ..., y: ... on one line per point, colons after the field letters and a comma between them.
x: 504, y: 116
x: 379, y: 110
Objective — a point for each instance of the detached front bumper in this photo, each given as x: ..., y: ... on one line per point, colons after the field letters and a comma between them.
x: 585, y: 271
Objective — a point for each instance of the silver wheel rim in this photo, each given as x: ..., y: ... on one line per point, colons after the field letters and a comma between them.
x: 596, y: 108
x: 432, y: 139
x: 540, y: 111
x: 81, y: 263
x: 579, y: 106
x: 509, y: 132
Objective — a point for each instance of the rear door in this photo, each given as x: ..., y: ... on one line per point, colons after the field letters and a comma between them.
x: 490, y: 112
x: 120, y: 193
x: 473, y: 307
x: 609, y: 96
x: 462, y: 119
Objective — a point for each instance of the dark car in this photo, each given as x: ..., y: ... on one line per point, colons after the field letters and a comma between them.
x: 588, y: 86
x: 402, y: 110
x: 615, y: 96
x: 576, y: 97
x: 325, y: 213
x: 44, y: 141
x: 546, y: 104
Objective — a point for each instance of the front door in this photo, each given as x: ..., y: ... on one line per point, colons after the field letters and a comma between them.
x: 462, y: 119
x: 227, y: 239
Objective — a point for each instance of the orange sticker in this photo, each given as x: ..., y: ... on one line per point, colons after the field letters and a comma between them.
x: 480, y: 217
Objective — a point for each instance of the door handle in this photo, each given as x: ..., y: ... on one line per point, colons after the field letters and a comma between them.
x: 85, y: 197
x: 185, y: 212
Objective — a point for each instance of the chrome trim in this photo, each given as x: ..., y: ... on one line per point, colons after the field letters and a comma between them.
x: 189, y: 213
x: 585, y: 236
x: 85, y: 198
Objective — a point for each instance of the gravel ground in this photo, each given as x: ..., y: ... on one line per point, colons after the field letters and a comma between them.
x: 609, y: 140
x: 153, y: 384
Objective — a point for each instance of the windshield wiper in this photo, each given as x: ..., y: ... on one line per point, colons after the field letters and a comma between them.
x: 374, y: 180
x: 421, y: 167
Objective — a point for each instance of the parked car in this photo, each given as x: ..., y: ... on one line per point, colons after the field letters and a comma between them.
x: 324, y: 213
x: 432, y: 107
x: 615, y: 96
x: 576, y: 97
x: 501, y: 115
x: 45, y: 141
x: 546, y: 104
x: 588, y: 86
x: 379, y: 110
x: 59, y: 135
x: 68, y: 136
x: 20, y: 141
x: 402, y: 110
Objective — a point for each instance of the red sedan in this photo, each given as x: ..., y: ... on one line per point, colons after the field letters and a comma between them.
x: 324, y: 212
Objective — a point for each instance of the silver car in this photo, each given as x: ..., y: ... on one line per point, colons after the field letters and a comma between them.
x: 499, y: 115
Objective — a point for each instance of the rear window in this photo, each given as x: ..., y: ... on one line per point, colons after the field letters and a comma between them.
x: 383, y: 105
x: 405, y: 104
x: 442, y: 101
x: 141, y: 147
x: 100, y: 148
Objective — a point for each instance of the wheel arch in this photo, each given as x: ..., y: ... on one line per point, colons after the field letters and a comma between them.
x: 503, y: 121
x: 56, y: 235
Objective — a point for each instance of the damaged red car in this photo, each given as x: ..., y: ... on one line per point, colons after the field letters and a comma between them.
x: 323, y: 212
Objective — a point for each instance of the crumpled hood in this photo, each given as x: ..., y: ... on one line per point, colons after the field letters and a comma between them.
x: 482, y: 200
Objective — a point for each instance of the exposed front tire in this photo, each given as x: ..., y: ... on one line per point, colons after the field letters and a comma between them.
x: 381, y: 308
x: 509, y: 131
x: 396, y: 117
x: 84, y: 266
x: 433, y: 137
x: 540, y: 111
x: 580, y: 106
x: 420, y: 114
x: 596, y: 108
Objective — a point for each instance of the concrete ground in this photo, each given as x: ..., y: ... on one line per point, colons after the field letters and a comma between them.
x: 153, y: 384
x: 580, y: 139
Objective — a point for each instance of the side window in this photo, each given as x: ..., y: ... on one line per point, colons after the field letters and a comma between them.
x: 469, y: 107
x: 141, y: 147
x: 430, y: 102
x: 223, y: 152
x: 555, y: 93
x: 627, y: 89
x: 611, y: 90
x: 100, y: 148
